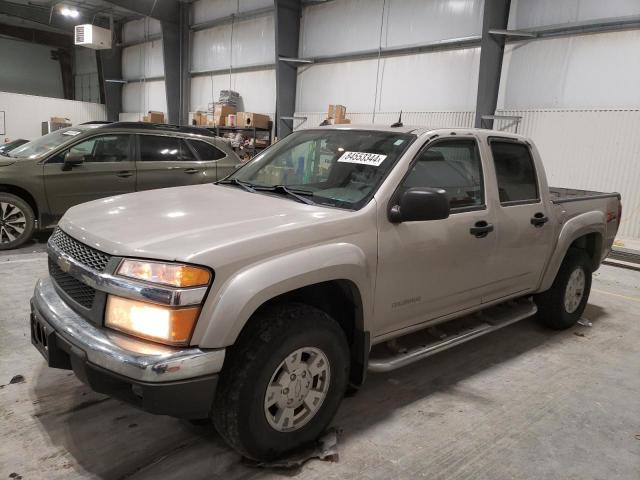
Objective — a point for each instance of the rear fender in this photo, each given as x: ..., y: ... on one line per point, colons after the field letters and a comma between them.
x: 576, y: 227
x: 225, y: 315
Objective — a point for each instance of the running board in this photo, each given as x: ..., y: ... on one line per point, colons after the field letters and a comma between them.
x: 492, y: 319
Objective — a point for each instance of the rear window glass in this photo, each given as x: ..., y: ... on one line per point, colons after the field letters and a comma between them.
x: 515, y: 171
x: 206, y: 151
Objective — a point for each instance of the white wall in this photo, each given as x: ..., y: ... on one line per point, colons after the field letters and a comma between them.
x: 536, y: 13
x: 586, y: 71
x: 28, y: 68
x: 206, y: 10
x: 139, y: 62
x: 24, y: 113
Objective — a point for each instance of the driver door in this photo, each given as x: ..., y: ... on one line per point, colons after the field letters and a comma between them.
x: 429, y: 269
x: 108, y: 169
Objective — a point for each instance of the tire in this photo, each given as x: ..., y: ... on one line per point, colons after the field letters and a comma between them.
x: 17, y: 221
x: 257, y: 360
x: 561, y: 306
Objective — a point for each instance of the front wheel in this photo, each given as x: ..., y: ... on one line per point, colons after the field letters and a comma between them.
x: 562, y: 305
x: 17, y: 221
x: 282, y: 382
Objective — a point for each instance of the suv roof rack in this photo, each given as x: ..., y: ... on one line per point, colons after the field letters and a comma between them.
x: 96, y: 122
x: 162, y: 127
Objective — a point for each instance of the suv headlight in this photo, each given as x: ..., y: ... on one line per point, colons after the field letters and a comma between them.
x: 161, y: 323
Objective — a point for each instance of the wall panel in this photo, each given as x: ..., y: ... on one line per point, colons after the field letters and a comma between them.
x: 24, y: 113
x: 206, y: 10
x: 137, y: 30
x: 143, y: 60
x: 536, y: 13
x: 140, y: 97
x: 257, y: 89
x: 253, y: 43
x: 421, y: 119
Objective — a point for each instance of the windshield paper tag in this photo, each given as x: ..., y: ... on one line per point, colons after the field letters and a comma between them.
x: 71, y: 133
x: 373, y: 159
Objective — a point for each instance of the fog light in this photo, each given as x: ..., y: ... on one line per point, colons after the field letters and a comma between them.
x: 172, y: 326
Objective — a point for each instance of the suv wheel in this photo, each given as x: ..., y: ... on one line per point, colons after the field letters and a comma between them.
x: 282, y: 381
x: 562, y: 305
x: 17, y: 221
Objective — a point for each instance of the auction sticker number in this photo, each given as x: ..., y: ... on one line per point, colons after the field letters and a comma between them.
x: 363, y: 158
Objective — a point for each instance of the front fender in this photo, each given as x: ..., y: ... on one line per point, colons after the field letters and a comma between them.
x: 224, y: 316
x: 576, y: 227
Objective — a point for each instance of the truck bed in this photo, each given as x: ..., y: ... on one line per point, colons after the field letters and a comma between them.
x: 565, y: 195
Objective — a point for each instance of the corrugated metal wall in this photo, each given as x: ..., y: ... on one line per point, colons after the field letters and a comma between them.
x: 24, y: 113
x: 590, y: 149
x: 426, y: 119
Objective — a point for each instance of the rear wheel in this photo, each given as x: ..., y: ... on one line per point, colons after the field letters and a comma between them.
x: 562, y: 305
x: 17, y: 221
x: 282, y: 382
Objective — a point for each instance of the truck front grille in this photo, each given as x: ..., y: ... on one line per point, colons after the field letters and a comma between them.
x: 88, y: 256
x: 77, y: 291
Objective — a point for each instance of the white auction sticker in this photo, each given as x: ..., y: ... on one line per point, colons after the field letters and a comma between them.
x: 363, y: 158
x: 71, y: 133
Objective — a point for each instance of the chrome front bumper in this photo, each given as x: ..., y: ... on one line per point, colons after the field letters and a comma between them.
x: 118, y: 353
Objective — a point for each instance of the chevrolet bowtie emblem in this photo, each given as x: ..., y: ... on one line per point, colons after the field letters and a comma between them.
x: 64, y: 264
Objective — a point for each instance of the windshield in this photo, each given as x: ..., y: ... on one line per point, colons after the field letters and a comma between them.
x: 47, y: 142
x: 340, y: 168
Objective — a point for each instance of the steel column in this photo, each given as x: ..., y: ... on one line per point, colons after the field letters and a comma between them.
x: 175, y: 44
x: 287, y: 26
x: 496, y: 17
x: 110, y: 67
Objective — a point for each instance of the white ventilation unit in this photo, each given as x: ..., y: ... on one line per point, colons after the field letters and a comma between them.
x: 91, y: 36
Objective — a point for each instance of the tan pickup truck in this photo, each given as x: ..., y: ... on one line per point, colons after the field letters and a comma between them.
x: 258, y: 300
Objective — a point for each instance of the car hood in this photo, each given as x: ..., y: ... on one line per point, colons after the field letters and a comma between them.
x: 205, y: 224
x: 6, y: 161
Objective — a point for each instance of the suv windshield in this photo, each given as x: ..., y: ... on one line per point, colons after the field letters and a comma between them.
x: 341, y: 168
x: 48, y: 142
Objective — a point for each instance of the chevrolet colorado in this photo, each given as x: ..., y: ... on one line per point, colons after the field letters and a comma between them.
x: 258, y: 300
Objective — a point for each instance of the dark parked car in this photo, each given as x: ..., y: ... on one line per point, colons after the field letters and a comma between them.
x: 7, y: 147
x: 41, y: 179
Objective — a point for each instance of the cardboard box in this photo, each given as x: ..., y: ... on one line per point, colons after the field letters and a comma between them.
x: 336, y: 111
x: 156, y: 117
x: 59, y: 120
x: 249, y: 119
x: 220, y: 113
x: 145, y: 118
x: 200, y: 118
x: 339, y: 121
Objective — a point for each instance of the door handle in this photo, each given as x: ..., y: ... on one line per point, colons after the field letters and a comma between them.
x: 191, y: 170
x: 539, y: 219
x: 124, y: 174
x: 481, y: 229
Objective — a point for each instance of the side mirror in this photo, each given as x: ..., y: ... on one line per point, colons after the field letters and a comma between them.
x: 72, y: 160
x: 420, y: 204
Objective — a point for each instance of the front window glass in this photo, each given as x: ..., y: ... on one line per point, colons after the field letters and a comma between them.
x: 334, y: 167
x: 49, y: 142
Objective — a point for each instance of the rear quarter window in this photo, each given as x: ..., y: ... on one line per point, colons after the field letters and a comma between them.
x: 515, y: 172
x: 206, y: 151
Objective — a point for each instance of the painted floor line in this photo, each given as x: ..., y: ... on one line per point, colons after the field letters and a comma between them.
x: 25, y: 260
x: 633, y: 299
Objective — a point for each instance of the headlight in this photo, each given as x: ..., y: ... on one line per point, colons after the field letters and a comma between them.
x: 164, y: 324
x: 173, y: 274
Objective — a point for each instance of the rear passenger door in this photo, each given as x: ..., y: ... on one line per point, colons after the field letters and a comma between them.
x: 167, y: 161
x: 217, y: 161
x: 523, y: 232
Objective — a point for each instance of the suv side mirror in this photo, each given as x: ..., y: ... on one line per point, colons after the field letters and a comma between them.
x: 420, y: 204
x: 72, y: 160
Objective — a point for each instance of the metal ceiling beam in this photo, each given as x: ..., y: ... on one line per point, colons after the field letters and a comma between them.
x: 164, y: 10
x: 288, y: 13
x: 45, y: 16
x: 495, y: 18
x: 41, y: 37
x: 233, y: 18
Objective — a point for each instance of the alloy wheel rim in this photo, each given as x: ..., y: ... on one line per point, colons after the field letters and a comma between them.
x: 13, y: 222
x: 575, y: 290
x: 297, y: 389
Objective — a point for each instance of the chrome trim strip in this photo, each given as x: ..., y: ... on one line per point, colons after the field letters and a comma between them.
x: 124, y: 287
x: 119, y: 353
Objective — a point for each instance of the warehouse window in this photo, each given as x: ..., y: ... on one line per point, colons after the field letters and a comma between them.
x: 515, y: 171
x: 155, y: 148
x: 454, y: 166
x: 206, y: 151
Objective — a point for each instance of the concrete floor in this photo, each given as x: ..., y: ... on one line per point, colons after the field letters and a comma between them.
x: 523, y: 403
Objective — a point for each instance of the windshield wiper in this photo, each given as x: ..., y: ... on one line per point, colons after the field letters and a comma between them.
x: 234, y: 181
x: 295, y: 193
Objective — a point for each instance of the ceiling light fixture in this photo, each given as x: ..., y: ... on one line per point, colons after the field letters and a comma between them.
x: 68, y: 12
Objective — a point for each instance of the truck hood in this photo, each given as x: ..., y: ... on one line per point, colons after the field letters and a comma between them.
x: 200, y: 224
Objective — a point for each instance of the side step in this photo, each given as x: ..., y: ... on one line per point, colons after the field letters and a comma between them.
x: 490, y: 320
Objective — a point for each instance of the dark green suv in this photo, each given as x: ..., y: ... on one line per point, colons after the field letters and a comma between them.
x: 41, y: 179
